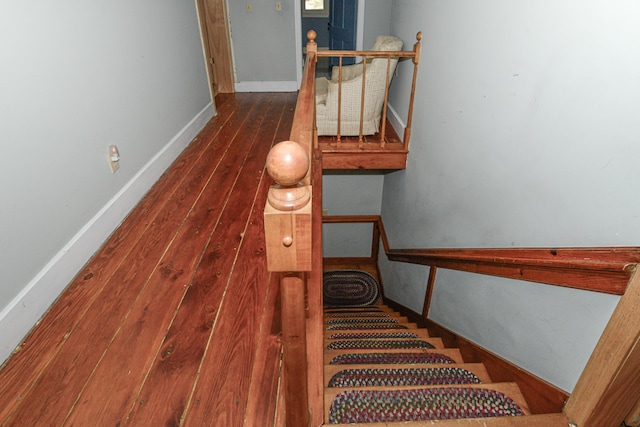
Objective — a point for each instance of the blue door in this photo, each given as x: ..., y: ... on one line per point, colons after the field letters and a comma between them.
x: 342, y: 27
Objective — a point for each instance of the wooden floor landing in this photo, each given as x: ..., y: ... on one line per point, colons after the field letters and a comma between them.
x: 175, y: 320
x: 372, y: 154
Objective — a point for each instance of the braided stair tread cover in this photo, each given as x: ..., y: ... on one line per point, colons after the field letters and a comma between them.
x: 378, y: 344
x: 351, y: 310
x: 371, y: 336
x: 391, y: 377
x: 352, y: 288
x: 367, y: 406
x: 360, y: 321
x: 358, y: 315
x: 387, y: 325
x: 384, y: 358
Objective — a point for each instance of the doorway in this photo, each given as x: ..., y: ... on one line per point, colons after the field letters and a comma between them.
x: 216, y: 42
x: 322, y: 24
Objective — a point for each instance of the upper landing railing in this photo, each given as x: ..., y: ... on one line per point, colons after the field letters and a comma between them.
x: 353, y: 104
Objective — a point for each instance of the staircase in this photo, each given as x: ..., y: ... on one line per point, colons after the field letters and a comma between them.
x: 381, y: 369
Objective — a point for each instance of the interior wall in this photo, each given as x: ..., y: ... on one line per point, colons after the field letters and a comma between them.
x: 525, y: 134
x: 78, y: 76
x: 377, y: 18
x: 263, y: 43
x: 345, y: 193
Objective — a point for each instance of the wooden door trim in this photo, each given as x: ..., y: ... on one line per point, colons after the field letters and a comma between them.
x: 202, y: 27
x: 224, y: 67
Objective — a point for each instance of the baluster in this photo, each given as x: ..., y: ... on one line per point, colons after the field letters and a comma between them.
x: 364, y: 82
x: 416, y: 60
x: 383, y: 128
x: 339, y: 98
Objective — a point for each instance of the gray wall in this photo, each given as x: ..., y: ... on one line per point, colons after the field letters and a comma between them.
x: 525, y: 134
x: 263, y: 42
x: 77, y: 76
x: 377, y: 21
x: 349, y: 194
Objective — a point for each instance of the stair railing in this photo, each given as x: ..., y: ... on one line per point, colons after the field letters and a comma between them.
x: 293, y: 245
x: 414, y: 55
x: 607, y: 392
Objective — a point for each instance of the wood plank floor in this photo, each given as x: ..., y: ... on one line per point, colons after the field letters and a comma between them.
x: 175, y: 321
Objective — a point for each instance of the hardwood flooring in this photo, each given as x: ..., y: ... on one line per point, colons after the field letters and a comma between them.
x: 175, y: 320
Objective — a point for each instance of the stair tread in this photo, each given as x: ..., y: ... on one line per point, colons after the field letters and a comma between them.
x: 509, y: 389
x: 419, y: 333
x: 358, y: 327
x: 375, y: 326
x: 452, y: 353
x: 476, y: 368
x: 384, y: 344
x: 359, y: 308
x: 364, y: 319
x: 368, y: 315
x: 367, y: 309
x: 546, y: 420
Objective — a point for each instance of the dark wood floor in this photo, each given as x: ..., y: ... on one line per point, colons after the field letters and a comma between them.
x: 175, y: 320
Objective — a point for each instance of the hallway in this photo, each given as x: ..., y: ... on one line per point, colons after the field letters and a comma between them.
x: 175, y: 319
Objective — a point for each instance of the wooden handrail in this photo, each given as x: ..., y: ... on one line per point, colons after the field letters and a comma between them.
x: 599, y: 269
x: 580, y: 268
x: 302, y: 129
x: 290, y: 236
x: 368, y: 53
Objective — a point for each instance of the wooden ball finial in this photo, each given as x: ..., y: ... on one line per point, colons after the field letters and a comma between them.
x: 288, y: 163
x: 311, y: 35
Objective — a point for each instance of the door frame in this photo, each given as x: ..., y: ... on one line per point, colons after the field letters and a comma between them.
x: 298, y: 33
x: 226, y: 54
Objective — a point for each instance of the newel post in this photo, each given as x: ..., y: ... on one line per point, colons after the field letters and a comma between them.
x: 287, y: 224
x: 287, y: 214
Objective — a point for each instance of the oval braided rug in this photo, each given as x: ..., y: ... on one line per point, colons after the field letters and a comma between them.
x: 370, y: 406
x: 390, y: 358
x: 402, y: 377
x: 349, y: 288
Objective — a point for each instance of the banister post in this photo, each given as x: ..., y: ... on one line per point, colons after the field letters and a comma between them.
x: 417, y: 48
x: 288, y: 228
x: 287, y: 214
x: 294, y: 351
x: 312, y: 46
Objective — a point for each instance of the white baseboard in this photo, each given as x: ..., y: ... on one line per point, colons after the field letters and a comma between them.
x: 284, y: 86
x: 395, y: 120
x: 24, y: 311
